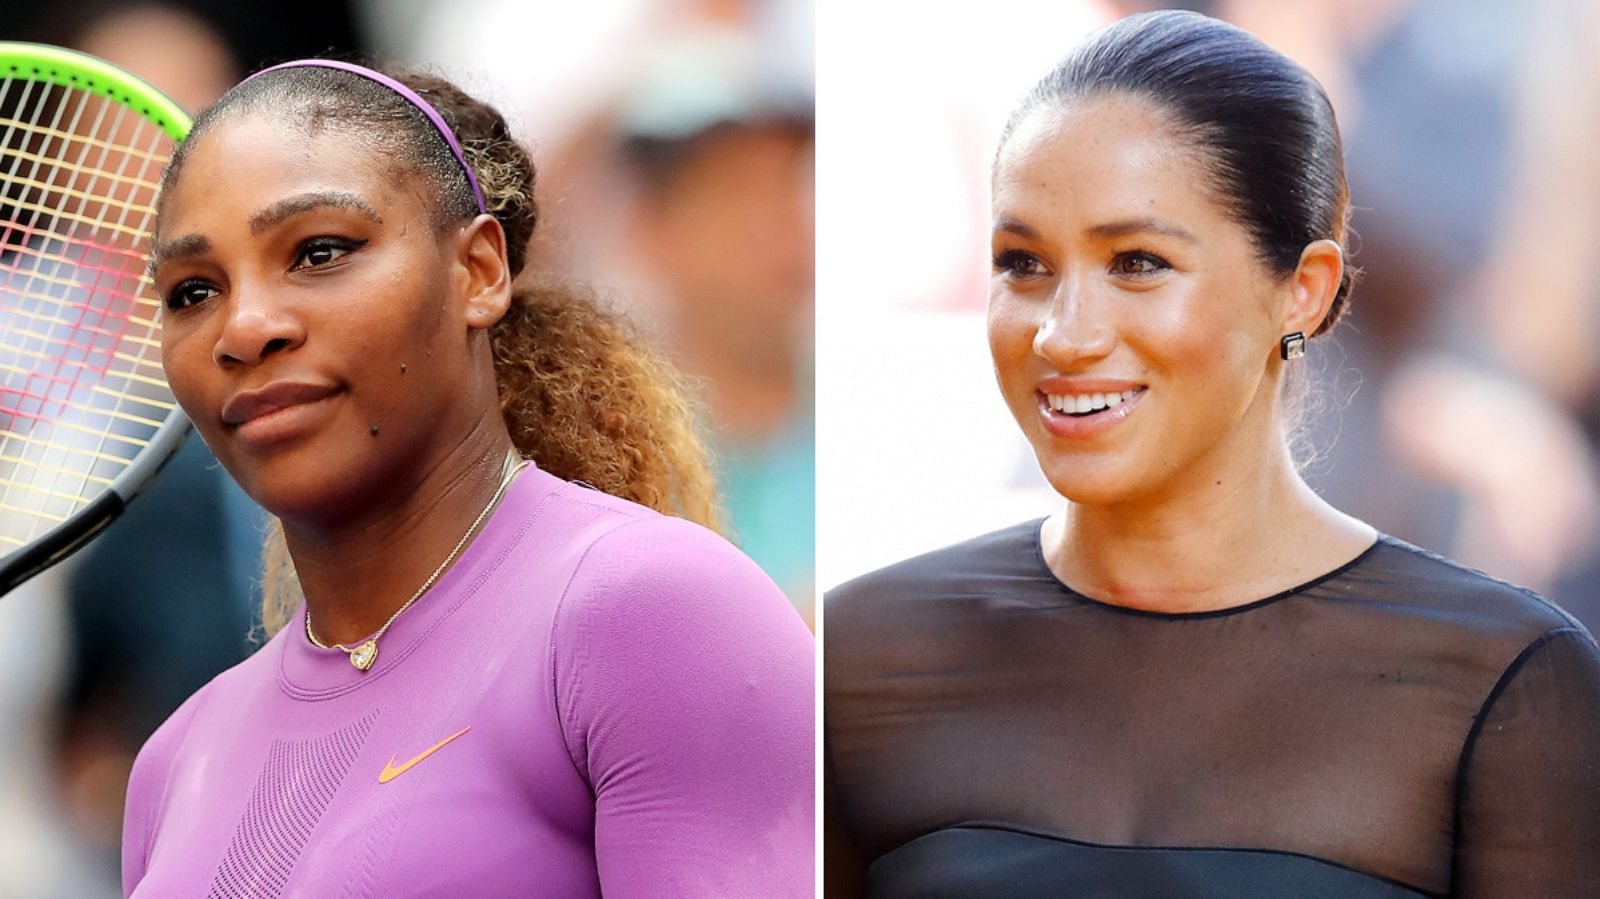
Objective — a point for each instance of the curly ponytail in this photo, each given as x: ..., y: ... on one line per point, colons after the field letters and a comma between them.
x: 583, y: 392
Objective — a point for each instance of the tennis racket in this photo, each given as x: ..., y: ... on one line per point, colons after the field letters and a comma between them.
x: 86, y: 417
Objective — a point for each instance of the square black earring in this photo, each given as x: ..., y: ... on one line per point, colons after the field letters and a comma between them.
x: 1292, y: 346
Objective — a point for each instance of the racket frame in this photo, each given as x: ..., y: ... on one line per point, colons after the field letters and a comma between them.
x: 71, y: 69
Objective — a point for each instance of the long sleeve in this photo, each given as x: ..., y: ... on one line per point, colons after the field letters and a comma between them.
x: 1528, y: 804
x: 147, y: 787
x: 684, y: 681
x: 843, y: 870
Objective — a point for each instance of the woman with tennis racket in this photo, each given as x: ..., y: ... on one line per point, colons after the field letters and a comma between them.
x: 502, y: 681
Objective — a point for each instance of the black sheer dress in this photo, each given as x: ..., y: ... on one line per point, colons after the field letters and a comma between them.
x: 1399, y: 727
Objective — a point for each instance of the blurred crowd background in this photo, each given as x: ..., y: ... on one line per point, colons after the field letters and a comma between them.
x: 1458, y: 405
x: 674, y: 140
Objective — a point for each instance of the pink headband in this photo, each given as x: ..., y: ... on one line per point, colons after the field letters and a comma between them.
x: 410, y: 95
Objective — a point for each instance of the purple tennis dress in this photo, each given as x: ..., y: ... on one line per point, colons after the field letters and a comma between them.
x: 595, y: 700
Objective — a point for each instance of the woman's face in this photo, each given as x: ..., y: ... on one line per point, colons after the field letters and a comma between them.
x: 308, y: 301
x: 1132, y: 324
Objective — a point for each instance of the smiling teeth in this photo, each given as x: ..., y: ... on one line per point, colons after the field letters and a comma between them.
x: 1080, y: 404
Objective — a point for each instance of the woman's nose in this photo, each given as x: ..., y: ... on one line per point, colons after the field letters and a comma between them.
x: 254, y: 328
x: 1074, y: 328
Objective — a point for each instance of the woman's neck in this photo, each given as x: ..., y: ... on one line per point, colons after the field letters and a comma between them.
x: 355, y: 574
x: 1219, y: 537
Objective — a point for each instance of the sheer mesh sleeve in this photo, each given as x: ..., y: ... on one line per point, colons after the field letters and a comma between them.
x: 1529, y: 788
x: 843, y: 869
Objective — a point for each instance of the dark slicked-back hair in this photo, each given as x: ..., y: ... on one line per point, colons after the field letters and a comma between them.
x: 1264, y: 126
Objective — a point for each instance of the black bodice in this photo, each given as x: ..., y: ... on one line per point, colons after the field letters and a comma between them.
x: 1398, y: 727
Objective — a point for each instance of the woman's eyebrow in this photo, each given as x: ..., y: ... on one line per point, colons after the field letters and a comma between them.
x: 1015, y: 227
x: 288, y: 207
x: 177, y: 248
x: 1104, y: 231
x: 1139, y: 226
x: 191, y: 245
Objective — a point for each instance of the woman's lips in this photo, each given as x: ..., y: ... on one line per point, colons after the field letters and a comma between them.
x: 278, y: 411
x: 1086, y: 409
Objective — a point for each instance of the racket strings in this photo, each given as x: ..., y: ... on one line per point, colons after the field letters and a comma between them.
x: 68, y: 137
x: 81, y: 386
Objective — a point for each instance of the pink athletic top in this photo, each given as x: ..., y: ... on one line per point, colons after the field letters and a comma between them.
x: 596, y: 699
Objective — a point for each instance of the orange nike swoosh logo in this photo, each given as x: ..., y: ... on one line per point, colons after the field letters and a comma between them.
x: 390, y: 772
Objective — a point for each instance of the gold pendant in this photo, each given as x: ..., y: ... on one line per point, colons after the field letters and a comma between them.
x: 364, y: 655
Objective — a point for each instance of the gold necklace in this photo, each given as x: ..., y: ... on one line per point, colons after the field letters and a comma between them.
x: 366, y: 654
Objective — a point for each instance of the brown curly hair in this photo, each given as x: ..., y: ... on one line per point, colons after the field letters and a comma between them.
x: 583, y: 392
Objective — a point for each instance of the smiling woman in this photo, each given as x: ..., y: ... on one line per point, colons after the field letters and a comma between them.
x: 478, y: 658
x: 1148, y: 289
x: 1195, y: 678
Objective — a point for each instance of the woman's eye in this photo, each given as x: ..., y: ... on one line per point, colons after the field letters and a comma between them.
x: 1018, y: 263
x: 1138, y: 264
x: 320, y: 251
x: 189, y: 293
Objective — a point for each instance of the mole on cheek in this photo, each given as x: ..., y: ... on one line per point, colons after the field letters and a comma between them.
x: 374, y: 430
